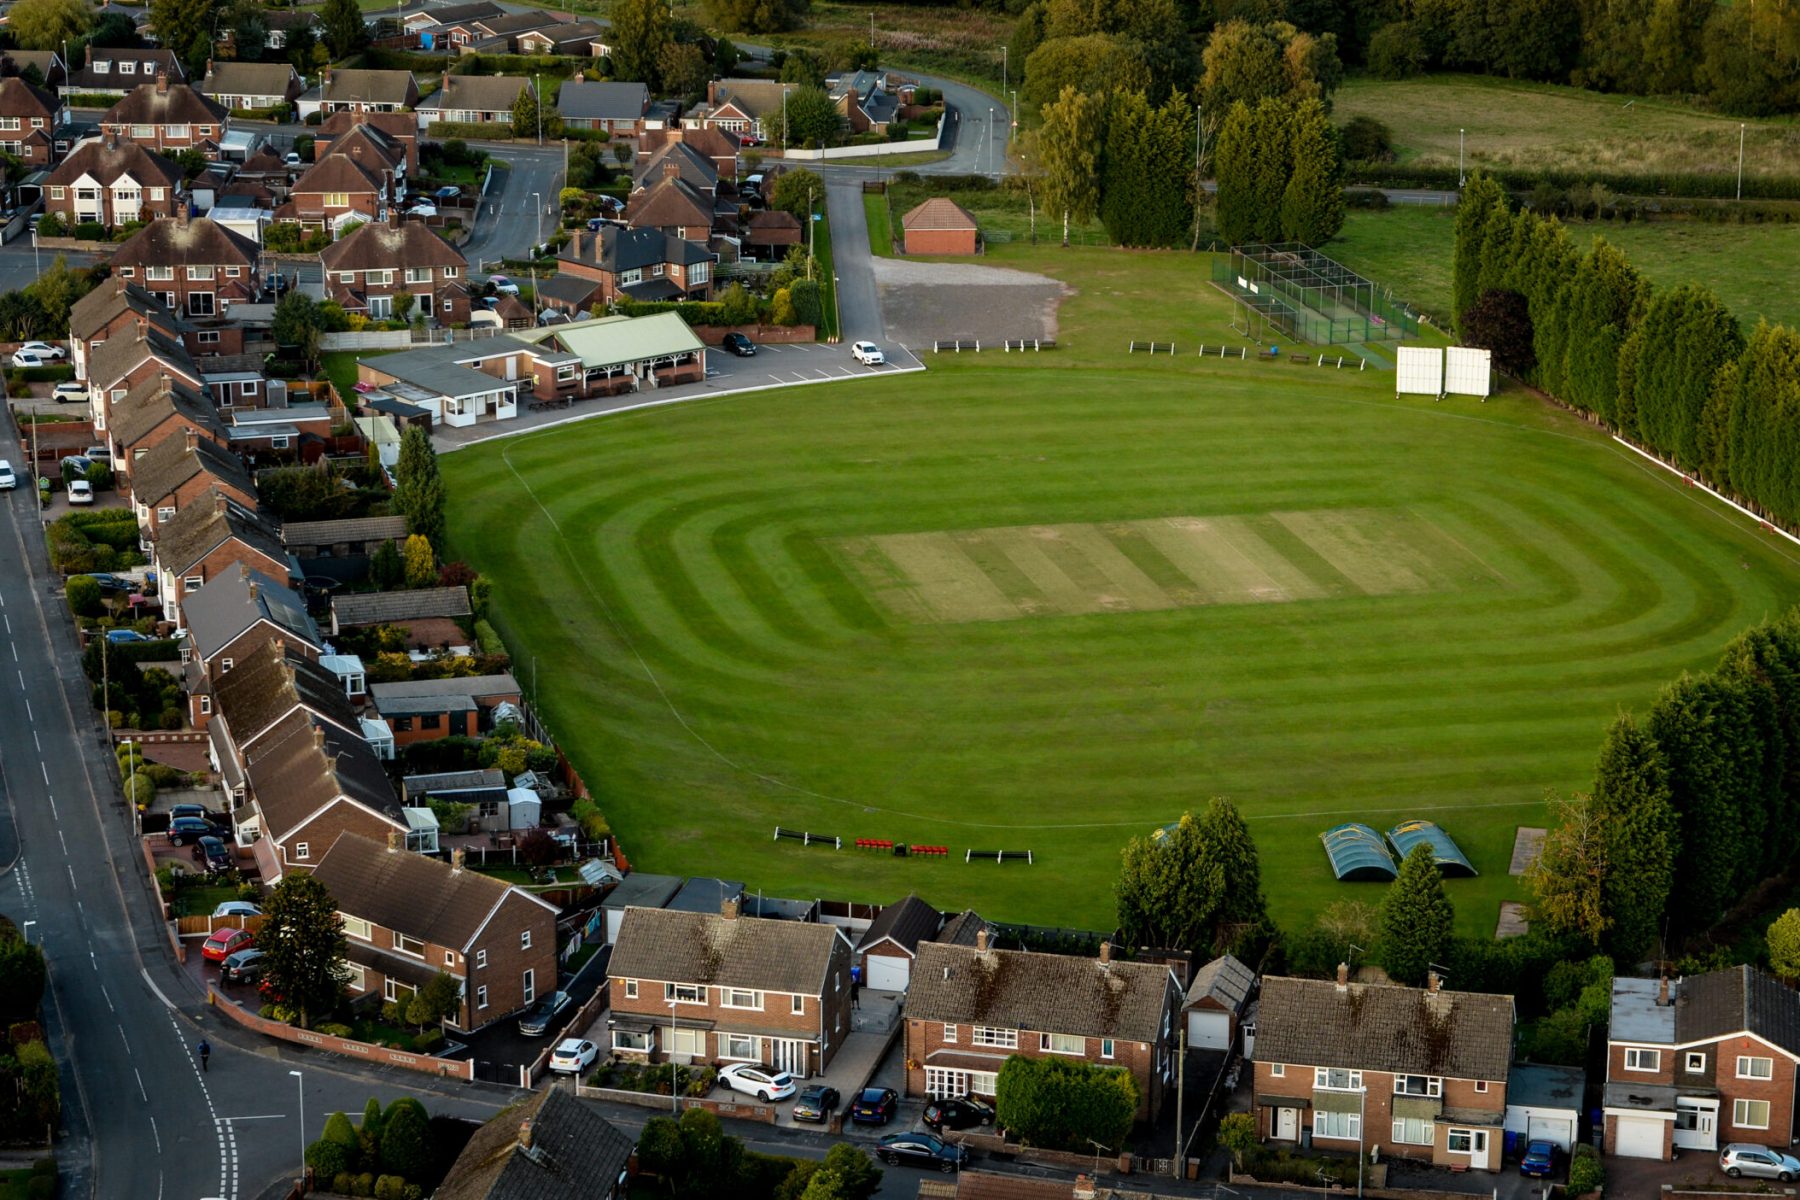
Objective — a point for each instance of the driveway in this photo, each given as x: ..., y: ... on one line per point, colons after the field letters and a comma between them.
x: 499, y: 1050
x: 859, y: 305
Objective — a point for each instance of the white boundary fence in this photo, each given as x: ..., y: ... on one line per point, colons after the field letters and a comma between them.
x: 1694, y: 482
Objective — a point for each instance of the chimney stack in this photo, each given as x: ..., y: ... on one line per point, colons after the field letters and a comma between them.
x: 193, y: 439
x: 457, y: 857
x: 525, y: 1134
x: 1343, y: 976
x: 1084, y: 1188
x: 1433, y: 982
x: 1105, y: 953
x: 393, y: 840
x: 981, y: 940
x: 671, y: 169
x: 162, y: 83
x: 730, y: 907
x: 1662, y: 993
x: 209, y: 68
x: 219, y: 508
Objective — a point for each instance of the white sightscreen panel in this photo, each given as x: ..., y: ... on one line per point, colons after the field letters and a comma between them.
x: 1468, y: 371
x: 1419, y: 371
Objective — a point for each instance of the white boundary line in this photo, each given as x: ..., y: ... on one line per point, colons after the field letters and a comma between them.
x: 1695, y: 482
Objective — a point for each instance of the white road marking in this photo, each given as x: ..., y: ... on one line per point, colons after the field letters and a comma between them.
x: 148, y: 982
x: 823, y: 373
x: 141, y: 1091
x: 109, y: 1005
x: 158, y: 1138
x: 8, y: 620
x: 45, y: 768
x: 35, y: 742
x: 63, y: 840
x: 260, y: 1117
x: 29, y: 715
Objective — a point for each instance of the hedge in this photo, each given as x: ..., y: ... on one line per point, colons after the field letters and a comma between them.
x: 1060, y: 1104
x: 1519, y: 179
x: 489, y: 131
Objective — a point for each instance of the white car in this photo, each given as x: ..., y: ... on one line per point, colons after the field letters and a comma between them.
x: 292, y: 158
x: 45, y: 350
x: 69, y: 392
x: 765, y: 1083
x: 30, y: 358
x: 867, y: 353
x: 422, y: 208
x: 503, y: 284
x: 8, y: 481
x: 237, y: 908
x: 81, y: 492
x: 573, y: 1056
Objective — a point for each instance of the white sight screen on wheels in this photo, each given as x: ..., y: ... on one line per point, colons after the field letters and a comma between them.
x: 1467, y: 371
x: 1419, y: 371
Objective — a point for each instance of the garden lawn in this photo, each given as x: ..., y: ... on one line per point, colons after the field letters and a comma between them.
x: 1052, y: 602
x: 1751, y: 267
x: 881, y: 230
x: 339, y: 366
x: 13, y: 1184
x: 1543, y: 126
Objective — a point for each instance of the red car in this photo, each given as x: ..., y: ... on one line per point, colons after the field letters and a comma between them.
x: 224, y: 943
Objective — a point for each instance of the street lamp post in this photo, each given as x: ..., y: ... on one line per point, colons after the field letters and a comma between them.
x: 538, y: 201
x: 1460, y: 178
x: 26, y: 931
x: 1003, y: 70
x: 1015, y: 107
x: 1362, y: 1113
x: 538, y: 103
x: 1740, y: 187
x: 301, y: 1122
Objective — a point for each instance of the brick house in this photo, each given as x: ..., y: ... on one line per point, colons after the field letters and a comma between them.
x: 40, y: 68
x: 323, y: 546
x: 396, y: 133
x: 673, y: 205
x: 33, y: 123
x: 714, y: 145
x: 970, y: 1008
x: 548, y: 1146
x: 940, y: 226
x: 433, y: 26
x: 194, y: 267
x: 618, y: 108
x: 612, y: 263
x: 498, y: 941
x: 182, y: 471
x: 721, y: 988
x: 337, y: 190
x: 1697, y: 1062
x: 113, y: 307
x: 570, y: 38
x: 423, y: 710
x: 114, y: 72
x: 368, y: 91
x: 251, y: 84
x: 769, y: 233
x: 127, y: 360
x: 886, y: 950
x: 113, y: 180
x: 741, y: 106
x: 376, y: 262
x: 206, y: 540
x: 474, y: 99
x: 1424, y: 1067
x: 156, y: 411
x: 167, y: 118
x: 228, y: 619
x: 253, y: 700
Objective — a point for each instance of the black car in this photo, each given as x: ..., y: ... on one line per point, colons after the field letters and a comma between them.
x: 199, y: 811
x: 739, y: 345
x: 212, y: 853
x: 184, y: 829
x: 921, y: 1150
x: 958, y: 1112
x: 874, y: 1106
x: 110, y: 583
x: 536, y: 1023
x: 816, y: 1104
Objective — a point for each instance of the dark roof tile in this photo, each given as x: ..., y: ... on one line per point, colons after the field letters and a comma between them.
x: 1023, y: 989
x: 1384, y: 1027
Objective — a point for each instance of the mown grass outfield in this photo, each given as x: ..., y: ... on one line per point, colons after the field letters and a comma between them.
x: 1052, y: 603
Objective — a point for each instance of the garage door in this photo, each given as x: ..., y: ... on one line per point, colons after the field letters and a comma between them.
x: 888, y: 974
x: 1560, y: 1130
x: 1637, y: 1137
x: 1209, y: 1030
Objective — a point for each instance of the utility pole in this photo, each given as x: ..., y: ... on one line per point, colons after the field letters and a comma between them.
x: 811, y: 238
x: 1460, y: 177
x: 1180, y: 1094
x: 871, y: 29
x: 537, y: 102
x: 1003, y: 70
x: 1740, y: 187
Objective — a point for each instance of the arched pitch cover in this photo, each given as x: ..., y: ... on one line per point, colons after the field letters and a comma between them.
x: 1358, y: 854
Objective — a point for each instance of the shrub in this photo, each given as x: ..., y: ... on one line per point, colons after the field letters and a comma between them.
x: 40, y: 1187
x: 429, y: 1042
x: 405, y: 1138
x: 90, y: 231
x: 342, y: 1182
x: 140, y: 790
x: 390, y: 1187
x: 51, y: 225
x: 363, y: 1184
x: 1366, y: 139
x: 1586, y: 1171
x: 1060, y: 1105
x: 327, y: 1158
x: 333, y: 1029
x: 83, y: 595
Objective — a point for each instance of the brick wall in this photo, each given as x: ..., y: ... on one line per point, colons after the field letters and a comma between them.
x: 376, y: 1054
x: 924, y: 1038
x: 1297, y: 1082
x: 940, y: 241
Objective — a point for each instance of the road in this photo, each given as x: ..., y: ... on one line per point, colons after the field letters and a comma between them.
x: 122, y: 1019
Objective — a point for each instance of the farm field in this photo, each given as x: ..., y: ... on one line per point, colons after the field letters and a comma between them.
x: 1050, y: 604
x: 1511, y: 122
x: 1750, y: 266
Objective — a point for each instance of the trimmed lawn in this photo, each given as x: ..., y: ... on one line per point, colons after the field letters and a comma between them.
x: 1751, y: 267
x: 1508, y: 122
x: 200, y: 901
x: 1051, y: 602
x: 881, y: 232
x: 340, y: 367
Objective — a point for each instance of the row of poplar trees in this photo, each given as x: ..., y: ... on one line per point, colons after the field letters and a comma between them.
x: 1692, y: 806
x: 1116, y: 156
x: 1666, y: 368
x: 1280, y: 172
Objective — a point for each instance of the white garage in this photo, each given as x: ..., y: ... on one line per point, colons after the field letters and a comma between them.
x: 1215, y: 1003
x: 889, y: 973
x: 1544, y: 1104
x: 1208, y: 1030
x: 1638, y: 1136
x: 888, y: 946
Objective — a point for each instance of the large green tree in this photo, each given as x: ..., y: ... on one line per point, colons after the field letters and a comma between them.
x: 48, y: 24
x: 811, y: 118
x: 798, y: 191
x: 1249, y: 62
x: 1417, y: 921
x: 22, y: 977
x: 1197, y: 888
x: 341, y: 25
x: 1147, y: 184
x: 640, y: 33
x: 303, y: 944
x: 1568, y: 877
x: 418, y: 488
x: 1607, y: 297
x: 1702, y: 729
x: 1094, y: 64
x: 1067, y: 151
x: 1670, y: 359
x: 1783, y: 939
x: 846, y: 1174
x: 1312, y: 203
x: 1631, y: 797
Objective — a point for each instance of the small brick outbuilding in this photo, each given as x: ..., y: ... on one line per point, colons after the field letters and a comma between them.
x: 939, y: 226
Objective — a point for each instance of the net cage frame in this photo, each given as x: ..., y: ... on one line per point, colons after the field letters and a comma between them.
x: 1308, y: 284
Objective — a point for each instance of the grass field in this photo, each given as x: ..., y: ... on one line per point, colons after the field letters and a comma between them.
x: 1514, y: 123
x: 881, y: 229
x: 1751, y: 267
x: 1051, y: 603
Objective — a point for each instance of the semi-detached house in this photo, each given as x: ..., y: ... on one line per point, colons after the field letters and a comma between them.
x: 376, y: 262
x: 721, y: 988
x: 168, y: 117
x: 192, y: 266
x: 265, y: 688
x: 114, y: 180
x: 34, y: 124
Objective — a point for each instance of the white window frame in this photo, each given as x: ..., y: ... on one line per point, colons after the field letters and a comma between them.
x: 481, y: 996
x: 995, y: 1037
x: 1323, y: 1121
x: 206, y: 706
x: 1481, y: 1086
x: 1322, y: 1079
x: 528, y: 984
x: 635, y: 1040
x: 684, y: 993
x: 1107, y: 1046
x: 480, y: 959
x: 1695, y: 1061
x: 683, y: 1040
x: 1743, y: 1107
x: 797, y: 1004
x: 1434, y: 1085
x: 1422, y: 1127
x: 302, y: 850
x: 745, y: 1047
x: 1639, y: 1059
x: 358, y: 980
x: 1063, y: 1043
x: 165, y: 512
x: 950, y: 1033
x: 524, y: 939
x: 631, y: 989
x: 357, y: 928
x: 1278, y: 1070
x: 449, y: 958
x: 740, y: 998
x: 1467, y: 1136
x: 1747, y: 1065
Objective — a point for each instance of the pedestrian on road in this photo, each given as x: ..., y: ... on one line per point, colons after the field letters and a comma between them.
x: 205, y: 1050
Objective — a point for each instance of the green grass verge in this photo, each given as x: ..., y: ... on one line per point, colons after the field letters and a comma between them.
x: 1751, y: 267
x: 897, y: 161
x: 13, y: 1184
x: 200, y: 901
x: 741, y: 594
x: 339, y: 366
x: 881, y: 230
x: 827, y: 278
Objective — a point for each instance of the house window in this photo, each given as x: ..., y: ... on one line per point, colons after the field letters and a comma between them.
x: 159, y: 273
x: 337, y: 199
x: 1643, y: 1060
x: 392, y: 990
x: 449, y: 958
x: 630, y: 1039
x: 480, y: 959
x: 1695, y: 1062
x: 1106, y: 1047
x: 684, y: 993
x: 449, y: 272
x: 1062, y: 1043
x: 302, y: 850
x: 356, y: 980
x: 1337, y: 1079
x: 1418, y: 1085
x: 1337, y: 1125
x: 739, y: 998
x: 446, y: 306
x: 481, y: 996
x: 528, y: 984
x: 797, y: 1005
x: 1004, y: 1039
x: 207, y: 337
x: 224, y: 665
x: 631, y: 989
x: 1278, y: 1070
x: 565, y: 374
x: 402, y: 724
x: 278, y: 443
x: 949, y: 1032
x: 158, y: 194
x: 1413, y: 1131
x: 1461, y: 1141
x: 206, y: 706
x: 408, y: 945
x: 355, y: 927
x: 431, y: 720
x: 1481, y: 1086
x: 192, y: 584
x: 164, y: 513
x: 1749, y: 1067
x: 58, y: 193
x: 1750, y: 1114
x: 247, y: 387
x: 737, y: 1045
x: 524, y: 939
x: 233, y: 272
x: 346, y: 276
x: 199, y: 272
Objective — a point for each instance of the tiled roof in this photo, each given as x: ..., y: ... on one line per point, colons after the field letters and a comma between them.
x: 112, y: 299
x: 615, y: 248
x: 691, y: 165
x: 521, y: 22
x: 1384, y: 1027
x: 1737, y: 999
x: 373, y: 87
x: 249, y: 79
x: 570, y: 289
x: 1225, y: 981
x: 749, y: 952
x: 172, y: 462
x: 197, y: 530
x: 670, y: 202
x: 349, y: 529
x: 264, y: 686
x: 105, y: 160
x: 452, y: 13
x: 575, y: 1153
x: 225, y: 607
x: 154, y: 401
x: 709, y: 143
x: 907, y: 923
x: 773, y: 227
x: 597, y: 101
x: 19, y: 99
x: 123, y: 352
x: 758, y: 97
x: 380, y: 247
x: 300, y: 767
x: 374, y: 608
x: 939, y: 212
x: 337, y: 173
x: 179, y: 242
x: 961, y: 929
x: 1054, y: 993
x: 145, y: 65
x: 423, y: 897
x: 394, y: 126
x: 501, y: 684
x: 164, y: 104
x: 369, y: 146
x: 479, y: 93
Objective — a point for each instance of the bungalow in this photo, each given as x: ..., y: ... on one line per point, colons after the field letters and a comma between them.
x: 474, y: 100
x: 716, y: 146
x: 618, y: 108
x: 500, y: 35
x: 183, y: 471
x: 550, y: 1146
x: 229, y: 619
x: 423, y: 710
x: 113, y: 72
x: 567, y: 38
x: 368, y: 91
x: 251, y: 85
x: 436, y: 27
x: 430, y: 614
x: 40, y: 68
x: 192, y: 266
x: 377, y: 262
x: 113, y: 180
x: 742, y: 106
x: 258, y: 697
x: 168, y: 117
x: 862, y: 99
x: 496, y: 940
x: 34, y: 125
x: 206, y: 541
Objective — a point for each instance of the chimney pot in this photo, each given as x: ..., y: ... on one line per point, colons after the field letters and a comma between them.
x: 393, y: 839
x: 457, y: 857
x: 219, y: 507
x: 1105, y: 952
x: 319, y: 736
x: 525, y: 1134
x: 729, y: 908
x: 1433, y: 981
x: 193, y: 439
x: 1343, y: 975
x: 1084, y: 1188
x: 981, y: 940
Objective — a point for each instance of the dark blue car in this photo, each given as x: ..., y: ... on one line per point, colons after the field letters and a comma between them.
x: 1539, y: 1160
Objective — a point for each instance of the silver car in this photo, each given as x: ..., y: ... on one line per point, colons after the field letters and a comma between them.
x: 1759, y: 1162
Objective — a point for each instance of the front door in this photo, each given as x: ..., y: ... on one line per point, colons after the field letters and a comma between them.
x: 789, y: 1056
x: 1287, y: 1124
x: 1478, y: 1151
